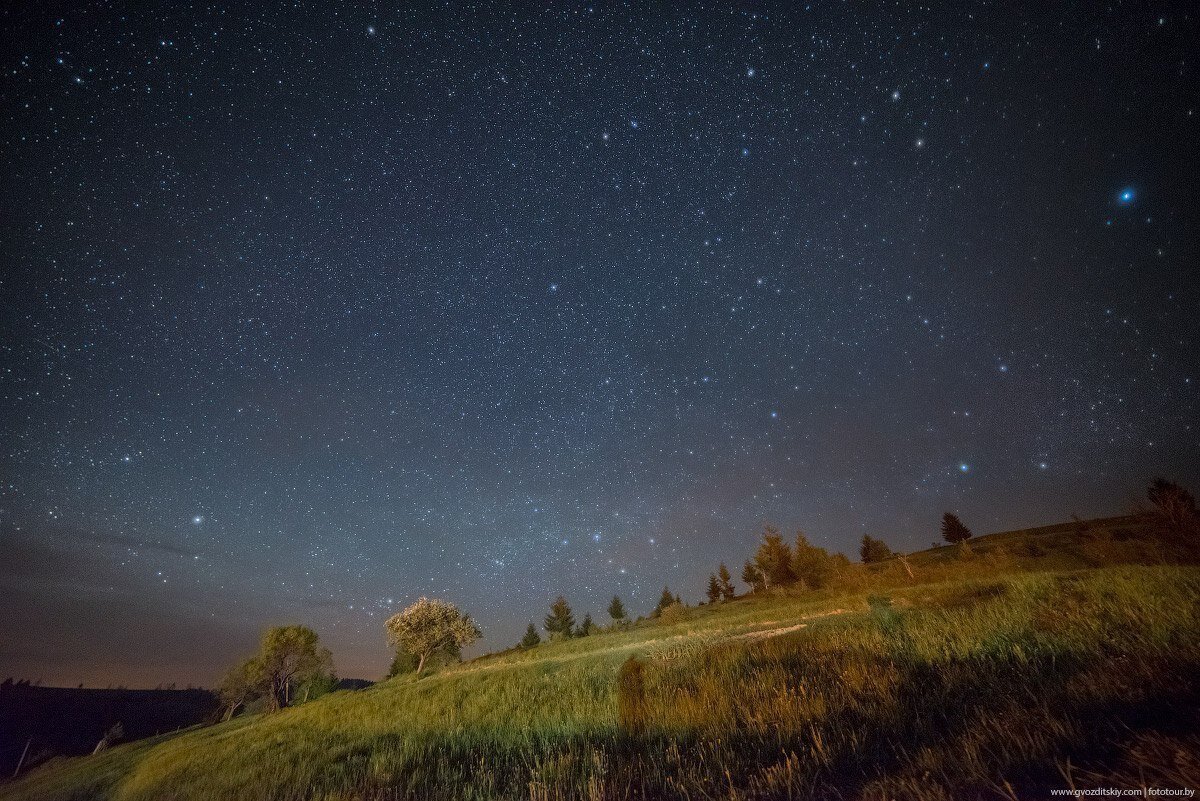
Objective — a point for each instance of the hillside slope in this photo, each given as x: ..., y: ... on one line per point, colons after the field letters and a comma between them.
x: 999, y: 671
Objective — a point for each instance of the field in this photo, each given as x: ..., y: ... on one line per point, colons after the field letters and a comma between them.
x: 1053, y: 658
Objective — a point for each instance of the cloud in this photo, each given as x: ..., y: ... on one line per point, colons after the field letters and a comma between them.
x: 74, y: 614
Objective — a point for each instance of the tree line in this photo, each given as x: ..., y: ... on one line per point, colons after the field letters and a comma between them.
x: 291, y: 667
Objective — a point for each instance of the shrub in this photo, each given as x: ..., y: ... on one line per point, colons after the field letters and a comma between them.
x: 632, y: 710
x: 675, y: 613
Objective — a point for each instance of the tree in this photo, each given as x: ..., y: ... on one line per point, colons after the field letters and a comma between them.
x: 616, y: 610
x: 431, y: 626
x: 726, y: 583
x: 753, y: 577
x: 714, y: 589
x: 953, y: 530
x: 664, y: 600
x: 531, y: 637
x: 115, y: 734
x: 403, y: 662
x: 560, y: 620
x: 315, y: 686
x: 242, y: 683
x: 873, y: 550
x: 774, y: 559
x: 290, y: 663
x: 1173, y: 505
x: 289, y: 656
x: 810, y: 563
x: 586, y: 628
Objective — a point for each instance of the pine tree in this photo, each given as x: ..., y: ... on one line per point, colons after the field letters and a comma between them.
x: 774, y: 559
x: 726, y: 582
x: 873, y: 550
x: 586, y: 627
x: 811, y: 564
x: 664, y: 600
x: 616, y: 609
x: 560, y: 620
x: 531, y: 637
x: 714, y: 589
x: 752, y: 576
x: 953, y: 529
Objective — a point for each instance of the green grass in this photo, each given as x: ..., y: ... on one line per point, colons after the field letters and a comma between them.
x: 990, y: 673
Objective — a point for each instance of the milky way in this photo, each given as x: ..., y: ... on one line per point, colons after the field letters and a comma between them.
x: 308, y: 311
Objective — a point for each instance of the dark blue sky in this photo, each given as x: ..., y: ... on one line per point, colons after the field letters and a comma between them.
x: 308, y: 311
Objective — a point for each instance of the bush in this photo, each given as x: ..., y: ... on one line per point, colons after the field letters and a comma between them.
x: 632, y: 710
x: 675, y: 613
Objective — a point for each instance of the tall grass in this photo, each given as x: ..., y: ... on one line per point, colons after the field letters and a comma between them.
x: 995, y: 687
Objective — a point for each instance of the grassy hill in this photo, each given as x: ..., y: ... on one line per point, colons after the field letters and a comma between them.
x: 1059, y: 657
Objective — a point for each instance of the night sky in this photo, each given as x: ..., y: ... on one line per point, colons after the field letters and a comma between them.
x: 307, y: 311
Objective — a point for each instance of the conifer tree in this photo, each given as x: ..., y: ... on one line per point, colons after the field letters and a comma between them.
x: 953, y: 529
x: 531, y: 637
x: 616, y: 609
x: 726, y: 582
x: 774, y: 559
x: 811, y: 564
x: 560, y: 620
x: 664, y: 600
x: 586, y: 627
x: 714, y: 589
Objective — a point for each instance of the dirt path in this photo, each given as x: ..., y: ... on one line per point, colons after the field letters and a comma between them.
x: 666, y: 649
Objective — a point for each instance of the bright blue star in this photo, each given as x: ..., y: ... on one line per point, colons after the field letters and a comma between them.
x: 1126, y: 196
x: 964, y: 467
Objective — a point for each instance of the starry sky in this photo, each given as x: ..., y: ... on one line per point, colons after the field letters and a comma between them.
x: 309, y: 310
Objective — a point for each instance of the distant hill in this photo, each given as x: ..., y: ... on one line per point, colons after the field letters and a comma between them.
x: 69, y: 721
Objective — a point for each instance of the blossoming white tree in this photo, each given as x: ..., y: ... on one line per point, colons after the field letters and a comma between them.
x: 429, y: 626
